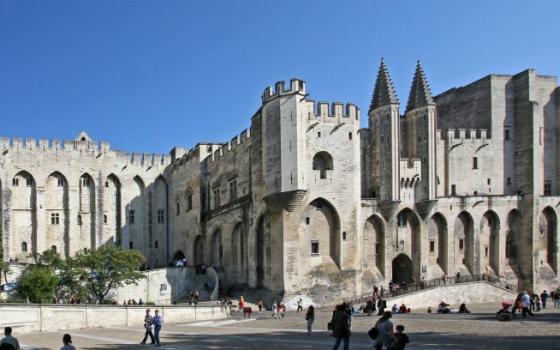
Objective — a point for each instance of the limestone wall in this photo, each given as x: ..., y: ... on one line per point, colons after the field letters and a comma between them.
x: 48, y: 318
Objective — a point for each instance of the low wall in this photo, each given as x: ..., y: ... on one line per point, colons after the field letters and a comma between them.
x: 468, y: 293
x: 33, y: 318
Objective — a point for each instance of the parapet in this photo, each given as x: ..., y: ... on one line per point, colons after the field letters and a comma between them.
x: 296, y: 86
x: 463, y: 135
x: 337, y: 111
x: 20, y: 144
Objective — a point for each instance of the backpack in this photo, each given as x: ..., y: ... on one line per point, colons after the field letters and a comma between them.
x: 373, y: 333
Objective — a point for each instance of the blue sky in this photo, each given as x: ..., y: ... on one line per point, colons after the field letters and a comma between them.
x: 150, y: 75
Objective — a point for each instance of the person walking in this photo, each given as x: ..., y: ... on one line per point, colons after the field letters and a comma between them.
x: 526, y: 305
x: 148, y: 328
x: 67, y: 341
x: 544, y: 297
x: 341, y: 327
x: 385, y: 329
x: 157, y: 321
x: 299, y: 305
x: 310, y: 318
x: 9, y: 339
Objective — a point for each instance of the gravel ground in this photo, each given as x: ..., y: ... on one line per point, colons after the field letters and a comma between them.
x: 478, y: 330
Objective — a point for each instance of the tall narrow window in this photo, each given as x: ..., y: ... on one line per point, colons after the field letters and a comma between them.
x: 233, y: 190
x: 60, y: 182
x: 24, y: 247
x: 547, y: 188
x: 453, y: 190
x: 178, y: 207
x: 461, y: 244
x: 130, y: 245
x: 509, y: 181
x: 216, y: 195
x: 79, y: 219
x: 160, y: 216
x: 28, y: 182
x: 131, y: 217
x: 53, y: 249
x: 432, y: 246
x: 475, y: 163
x: 15, y: 181
x: 104, y: 218
x: 506, y: 136
x: 189, y: 200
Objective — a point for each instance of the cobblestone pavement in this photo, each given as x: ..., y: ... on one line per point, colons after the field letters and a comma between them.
x: 478, y: 330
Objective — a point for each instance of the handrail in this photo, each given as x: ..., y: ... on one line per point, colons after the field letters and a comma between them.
x: 438, y: 282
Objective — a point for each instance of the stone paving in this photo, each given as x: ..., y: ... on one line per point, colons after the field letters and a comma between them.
x: 478, y: 330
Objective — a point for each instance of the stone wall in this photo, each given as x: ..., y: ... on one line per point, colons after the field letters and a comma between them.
x: 50, y: 318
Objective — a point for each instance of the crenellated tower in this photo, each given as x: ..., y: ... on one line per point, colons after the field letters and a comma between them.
x: 384, y: 138
x: 419, y: 136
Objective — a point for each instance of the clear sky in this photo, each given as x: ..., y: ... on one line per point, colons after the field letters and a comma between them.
x: 150, y: 75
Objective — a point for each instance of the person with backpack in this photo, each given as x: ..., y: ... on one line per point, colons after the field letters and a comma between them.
x: 8, y: 339
x: 341, y: 327
x: 384, y: 328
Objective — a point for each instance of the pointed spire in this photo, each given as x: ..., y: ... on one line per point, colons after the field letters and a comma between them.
x: 384, y: 92
x: 420, y: 94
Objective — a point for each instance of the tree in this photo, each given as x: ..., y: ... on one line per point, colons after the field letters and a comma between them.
x: 107, y: 268
x: 38, y: 284
x: 4, y: 270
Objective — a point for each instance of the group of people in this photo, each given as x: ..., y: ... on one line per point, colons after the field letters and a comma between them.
x: 278, y: 309
x: 374, y: 304
x: 382, y: 332
x: 9, y: 342
x: 154, y: 322
x: 403, y: 309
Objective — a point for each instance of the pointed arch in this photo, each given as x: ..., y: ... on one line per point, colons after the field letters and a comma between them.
x: 464, y: 243
x: 438, y: 242
x: 321, y: 225
x: 56, y: 204
x: 198, y: 250
x: 216, y: 249
x: 323, y: 162
x: 112, y: 217
x: 407, y: 238
x: 490, y: 242
x: 238, y: 252
x: 513, y: 241
x: 374, y: 244
x: 262, y: 250
x: 135, y: 191
x: 87, y: 209
x: 158, y: 206
x: 24, y: 209
x: 402, y: 269
x: 548, y: 236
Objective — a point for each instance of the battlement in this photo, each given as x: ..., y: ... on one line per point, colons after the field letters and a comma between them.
x: 86, y: 146
x: 336, y: 111
x: 462, y: 135
x: 296, y: 86
x: 31, y: 144
x: 231, y: 146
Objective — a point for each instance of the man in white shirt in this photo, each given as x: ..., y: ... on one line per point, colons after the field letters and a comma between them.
x: 8, y: 339
x: 526, y: 304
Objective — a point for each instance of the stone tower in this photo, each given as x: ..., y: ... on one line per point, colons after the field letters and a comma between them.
x: 420, y: 133
x: 384, y: 137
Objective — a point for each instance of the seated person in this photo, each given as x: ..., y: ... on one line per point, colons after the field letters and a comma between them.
x: 463, y: 309
x: 403, y: 309
x: 395, y: 309
x: 443, y: 308
x: 429, y: 309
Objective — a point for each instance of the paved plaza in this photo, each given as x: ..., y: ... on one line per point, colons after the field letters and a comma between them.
x: 478, y: 330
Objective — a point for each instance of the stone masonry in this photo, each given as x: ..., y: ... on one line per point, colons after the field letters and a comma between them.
x: 307, y: 202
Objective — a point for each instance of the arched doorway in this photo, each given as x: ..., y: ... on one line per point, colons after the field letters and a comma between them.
x: 489, y: 242
x: 438, y: 241
x: 216, y: 250
x: 321, y: 227
x: 238, y: 255
x: 402, y: 269
x: 407, y: 239
x: 179, y: 255
x: 464, y: 243
x: 198, y: 253
x: 513, y: 251
x: 374, y: 244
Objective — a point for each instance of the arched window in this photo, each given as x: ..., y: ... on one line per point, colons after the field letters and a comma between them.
x: 53, y: 249
x: 322, y: 161
x: 24, y: 247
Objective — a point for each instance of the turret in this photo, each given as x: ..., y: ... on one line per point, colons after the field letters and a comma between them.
x: 384, y: 141
x: 419, y: 138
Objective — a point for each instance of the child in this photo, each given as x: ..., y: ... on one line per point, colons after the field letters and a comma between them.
x: 400, y: 339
